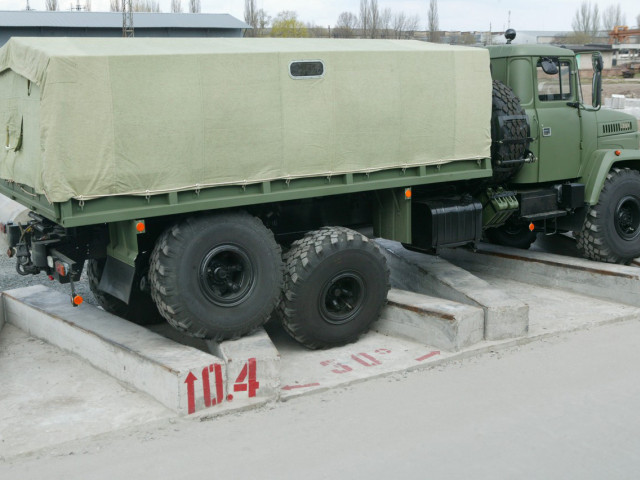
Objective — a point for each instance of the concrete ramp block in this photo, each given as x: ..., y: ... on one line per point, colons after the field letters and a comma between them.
x: 618, y: 283
x: 433, y: 321
x: 505, y: 316
x: 182, y: 378
x: 253, y: 367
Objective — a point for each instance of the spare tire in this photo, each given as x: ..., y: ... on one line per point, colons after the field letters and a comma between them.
x: 510, y: 133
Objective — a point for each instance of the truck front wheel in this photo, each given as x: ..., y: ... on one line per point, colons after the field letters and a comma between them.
x: 336, y: 283
x: 217, y: 276
x: 611, y: 231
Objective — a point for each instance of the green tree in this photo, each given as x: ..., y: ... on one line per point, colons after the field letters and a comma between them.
x: 286, y: 24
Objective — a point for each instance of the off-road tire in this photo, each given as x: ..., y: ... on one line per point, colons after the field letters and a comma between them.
x: 611, y: 231
x: 505, y: 103
x: 336, y: 284
x: 217, y: 276
x: 512, y: 235
x: 140, y: 310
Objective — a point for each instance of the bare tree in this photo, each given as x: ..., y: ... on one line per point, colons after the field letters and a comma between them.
x: 148, y: 6
x: 399, y: 23
x: 385, y: 23
x: 251, y: 17
x: 87, y: 5
x: 316, y: 31
x: 374, y: 18
x: 115, y: 5
x: 412, y: 24
x: 194, y: 6
x: 263, y: 22
x: 586, y: 22
x: 52, y: 5
x: 613, y: 17
x: 346, y: 25
x: 364, y: 17
x: 433, y: 22
x: 176, y: 6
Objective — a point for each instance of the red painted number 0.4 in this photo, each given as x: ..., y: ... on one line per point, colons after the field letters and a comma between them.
x: 246, y: 381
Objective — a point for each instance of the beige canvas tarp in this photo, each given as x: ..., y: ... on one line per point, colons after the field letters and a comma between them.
x: 90, y: 117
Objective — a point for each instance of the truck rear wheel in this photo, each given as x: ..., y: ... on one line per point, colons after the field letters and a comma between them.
x: 611, y: 231
x: 217, y: 276
x: 141, y: 309
x: 336, y: 283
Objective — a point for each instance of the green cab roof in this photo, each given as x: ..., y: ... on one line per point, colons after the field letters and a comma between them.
x: 504, y: 51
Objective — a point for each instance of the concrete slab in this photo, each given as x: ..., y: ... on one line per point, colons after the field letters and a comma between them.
x: 305, y: 372
x: 248, y: 360
x: 618, y: 283
x: 443, y: 324
x: 505, y: 316
x: 553, y: 310
x: 176, y: 375
x: 49, y: 396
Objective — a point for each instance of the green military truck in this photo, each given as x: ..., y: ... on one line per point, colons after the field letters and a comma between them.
x: 216, y: 183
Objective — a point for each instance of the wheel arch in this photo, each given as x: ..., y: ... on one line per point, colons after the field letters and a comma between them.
x: 598, y: 167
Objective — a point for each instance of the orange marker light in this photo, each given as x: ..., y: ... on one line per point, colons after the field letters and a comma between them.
x: 407, y: 193
x: 62, y: 271
x: 532, y: 226
x: 77, y: 300
x: 617, y: 152
x: 140, y: 227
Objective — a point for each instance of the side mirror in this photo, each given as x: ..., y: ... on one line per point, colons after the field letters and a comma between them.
x: 596, y: 83
x: 597, y: 62
x: 549, y: 66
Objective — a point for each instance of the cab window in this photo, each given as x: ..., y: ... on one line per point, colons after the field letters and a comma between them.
x: 557, y: 86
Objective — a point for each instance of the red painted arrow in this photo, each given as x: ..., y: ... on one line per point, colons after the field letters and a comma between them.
x: 291, y: 387
x: 428, y: 355
x: 191, y: 392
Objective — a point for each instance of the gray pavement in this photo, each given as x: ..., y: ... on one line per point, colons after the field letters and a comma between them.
x: 565, y: 407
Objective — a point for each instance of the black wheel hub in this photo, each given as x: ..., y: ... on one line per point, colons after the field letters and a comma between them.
x: 342, y: 298
x: 627, y: 217
x: 226, y: 275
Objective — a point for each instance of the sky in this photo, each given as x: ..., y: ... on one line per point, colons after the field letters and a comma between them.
x: 549, y: 15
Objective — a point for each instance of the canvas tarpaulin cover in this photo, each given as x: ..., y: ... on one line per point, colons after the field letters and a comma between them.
x: 87, y: 117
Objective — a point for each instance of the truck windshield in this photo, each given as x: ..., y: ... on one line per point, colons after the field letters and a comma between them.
x: 555, y: 87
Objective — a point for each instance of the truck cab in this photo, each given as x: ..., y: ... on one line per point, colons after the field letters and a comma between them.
x: 566, y: 128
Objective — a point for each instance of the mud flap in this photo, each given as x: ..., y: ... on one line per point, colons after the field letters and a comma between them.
x: 117, y: 279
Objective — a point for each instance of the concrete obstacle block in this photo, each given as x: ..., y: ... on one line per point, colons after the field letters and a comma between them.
x: 182, y: 378
x: 433, y: 321
x: 252, y: 367
x: 504, y: 316
x: 618, y: 283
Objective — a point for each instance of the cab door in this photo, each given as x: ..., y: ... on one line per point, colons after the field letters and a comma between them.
x: 557, y: 123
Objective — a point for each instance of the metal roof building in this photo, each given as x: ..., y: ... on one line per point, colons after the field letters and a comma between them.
x: 109, y: 24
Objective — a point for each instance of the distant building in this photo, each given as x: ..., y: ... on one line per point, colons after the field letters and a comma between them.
x: 109, y: 24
